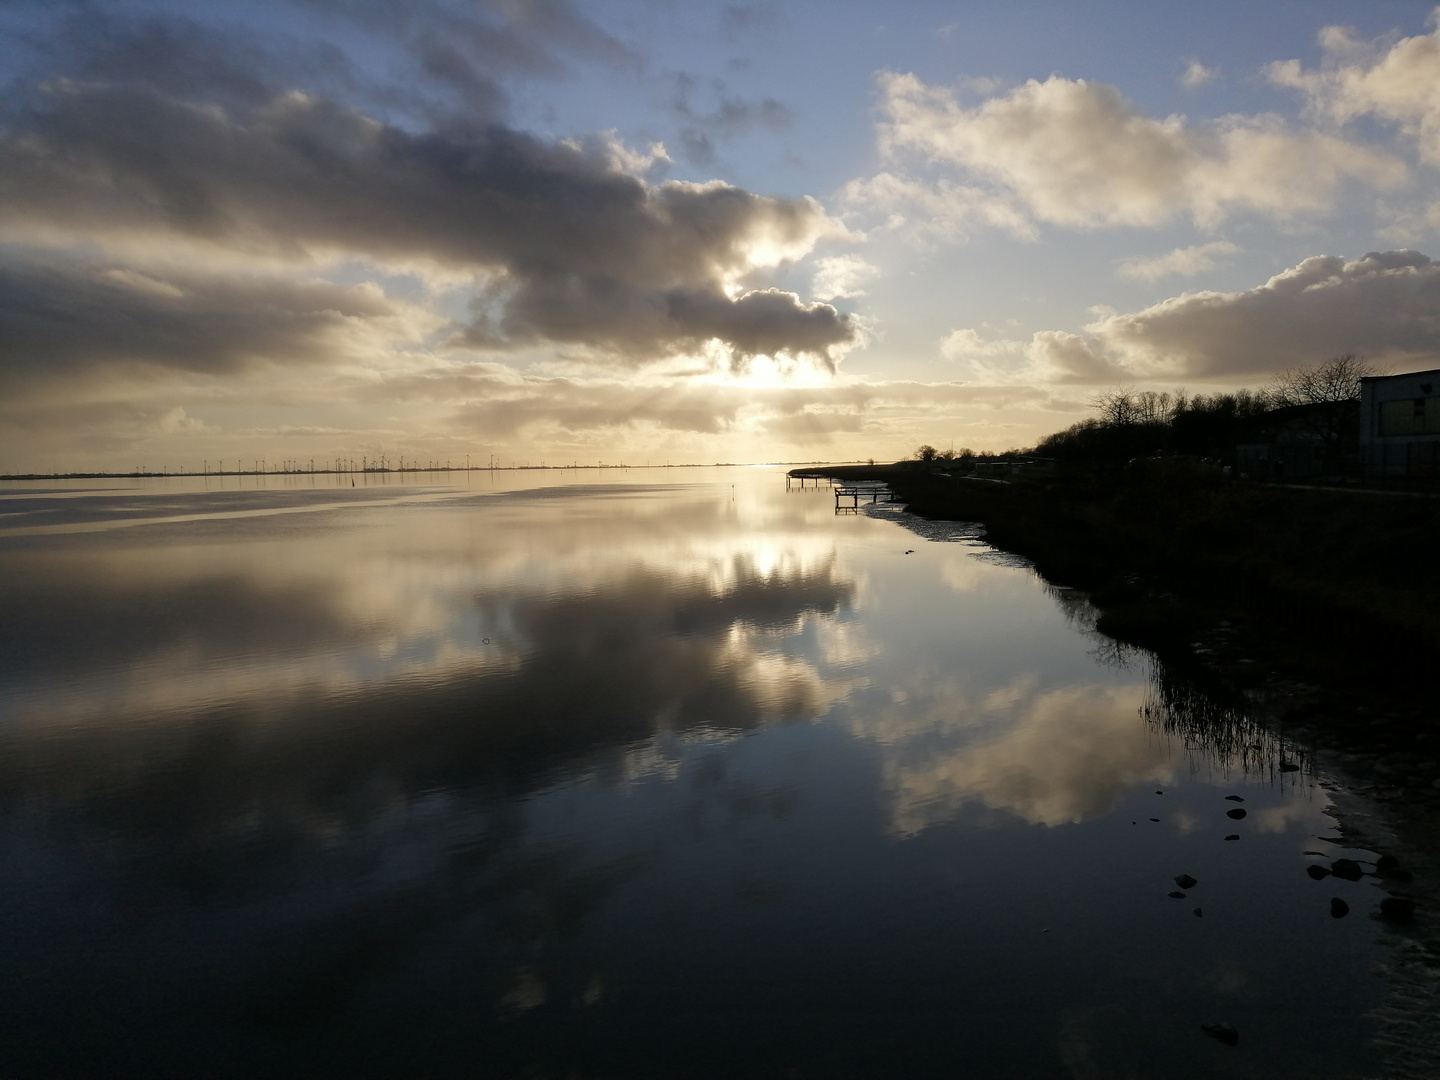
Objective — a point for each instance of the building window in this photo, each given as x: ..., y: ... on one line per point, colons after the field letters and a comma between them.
x: 1409, y: 416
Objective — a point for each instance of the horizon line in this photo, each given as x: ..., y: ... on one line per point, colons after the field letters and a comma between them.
x: 145, y: 474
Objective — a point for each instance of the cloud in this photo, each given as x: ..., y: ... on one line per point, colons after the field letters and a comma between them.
x: 1049, y: 356
x: 840, y: 276
x: 739, y: 19
x: 548, y: 405
x: 1407, y: 224
x: 730, y: 117
x: 1182, y: 262
x: 439, y: 407
x: 1399, y: 84
x: 436, y: 63
x: 1078, y: 154
x: 937, y: 208
x: 993, y: 361
x: 575, y: 249
x: 502, y: 405
x: 1196, y: 75
x: 452, y: 58
x: 1069, y: 358
x: 177, y: 422
x: 182, y: 57
x: 1384, y: 306
x: 967, y: 344
x: 635, y: 325
x: 62, y: 317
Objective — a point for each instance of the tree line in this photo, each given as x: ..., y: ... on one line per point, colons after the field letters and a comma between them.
x: 1320, y: 402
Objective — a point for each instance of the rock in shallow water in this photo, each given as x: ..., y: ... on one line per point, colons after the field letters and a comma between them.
x: 1185, y: 881
x: 1237, y: 813
x: 1176, y: 895
x: 1397, y: 909
x: 1225, y: 1033
x: 1338, y: 908
x: 1233, y: 836
x: 1318, y: 872
x: 1348, y: 869
x: 1234, y: 798
x: 1387, y: 866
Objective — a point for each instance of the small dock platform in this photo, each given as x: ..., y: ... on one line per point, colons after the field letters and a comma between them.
x: 874, y: 493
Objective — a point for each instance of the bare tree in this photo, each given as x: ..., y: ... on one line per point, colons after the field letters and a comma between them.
x: 1336, y: 380
x: 1325, y: 398
x: 1116, y: 407
x: 1123, y: 406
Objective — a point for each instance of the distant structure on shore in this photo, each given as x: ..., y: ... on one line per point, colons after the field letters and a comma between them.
x: 1400, y: 425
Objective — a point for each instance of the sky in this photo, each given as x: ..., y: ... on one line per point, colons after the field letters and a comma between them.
x: 645, y: 231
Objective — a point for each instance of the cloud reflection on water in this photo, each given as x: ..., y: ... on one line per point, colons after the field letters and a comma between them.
x: 307, y: 677
x: 335, y: 725
x: 310, y: 809
x: 199, y: 617
x: 1049, y: 755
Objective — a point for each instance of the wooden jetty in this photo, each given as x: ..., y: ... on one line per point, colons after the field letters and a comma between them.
x: 848, y: 493
x: 800, y: 479
x: 855, y: 492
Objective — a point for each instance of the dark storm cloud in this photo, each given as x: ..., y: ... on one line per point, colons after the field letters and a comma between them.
x: 466, y: 50
x: 59, y: 316
x: 174, y: 55
x: 645, y: 322
x: 581, y: 250
x: 443, y: 61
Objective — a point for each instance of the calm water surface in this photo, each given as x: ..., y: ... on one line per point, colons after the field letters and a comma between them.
x: 658, y: 773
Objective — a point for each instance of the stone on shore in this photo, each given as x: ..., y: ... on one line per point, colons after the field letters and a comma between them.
x: 1224, y: 1033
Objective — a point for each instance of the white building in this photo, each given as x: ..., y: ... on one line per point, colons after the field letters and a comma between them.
x: 1400, y: 424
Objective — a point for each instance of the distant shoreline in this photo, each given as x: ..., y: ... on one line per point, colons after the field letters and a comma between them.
x: 371, y: 471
